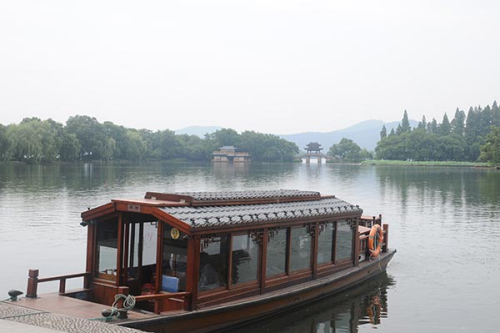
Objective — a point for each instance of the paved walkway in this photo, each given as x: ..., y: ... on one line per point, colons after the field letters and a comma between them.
x: 14, y: 319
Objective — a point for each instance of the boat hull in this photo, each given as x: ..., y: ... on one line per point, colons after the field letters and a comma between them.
x: 243, y: 312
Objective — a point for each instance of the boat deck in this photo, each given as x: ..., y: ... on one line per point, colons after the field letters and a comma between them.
x: 16, y: 317
x: 73, y: 307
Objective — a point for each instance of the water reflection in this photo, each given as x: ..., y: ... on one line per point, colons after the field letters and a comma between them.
x: 443, y: 185
x: 365, y: 305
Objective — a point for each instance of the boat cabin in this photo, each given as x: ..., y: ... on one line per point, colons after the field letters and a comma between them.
x: 192, y: 250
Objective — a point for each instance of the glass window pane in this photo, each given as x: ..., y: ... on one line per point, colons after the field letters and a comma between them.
x: 174, y: 264
x: 245, y: 256
x: 107, y: 244
x: 325, y: 243
x: 149, y: 243
x: 276, y: 253
x: 213, y: 263
x: 301, y: 249
x: 344, y: 241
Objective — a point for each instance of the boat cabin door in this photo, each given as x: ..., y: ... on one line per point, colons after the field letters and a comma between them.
x: 140, y: 248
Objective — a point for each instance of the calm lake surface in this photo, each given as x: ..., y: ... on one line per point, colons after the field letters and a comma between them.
x: 444, y: 223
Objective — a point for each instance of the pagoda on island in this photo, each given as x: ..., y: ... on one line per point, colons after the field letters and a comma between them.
x: 230, y: 154
x: 313, y: 149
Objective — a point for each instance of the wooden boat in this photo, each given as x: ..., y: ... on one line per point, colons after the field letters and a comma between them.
x: 203, y: 261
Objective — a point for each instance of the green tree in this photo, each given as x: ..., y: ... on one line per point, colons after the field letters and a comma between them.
x: 194, y: 147
x: 432, y: 127
x: 445, y: 127
x: 495, y: 111
x: 5, y: 144
x: 347, y: 151
x: 422, y: 124
x: 267, y: 147
x: 70, y: 147
x: 383, y: 132
x: 92, y: 137
x: 405, y: 123
x: 117, y: 147
x: 458, y: 123
x: 34, y: 141
x: 490, y: 151
x: 166, y: 145
x: 226, y: 137
x: 135, y: 148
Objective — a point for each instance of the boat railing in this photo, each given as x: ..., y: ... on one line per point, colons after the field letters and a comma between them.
x: 369, y: 221
x: 33, y: 281
x: 167, y: 301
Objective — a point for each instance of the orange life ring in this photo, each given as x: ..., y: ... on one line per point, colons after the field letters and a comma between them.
x: 375, y: 240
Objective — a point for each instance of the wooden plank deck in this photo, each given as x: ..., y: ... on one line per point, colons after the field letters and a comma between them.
x: 16, y: 317
x: 73, y: 307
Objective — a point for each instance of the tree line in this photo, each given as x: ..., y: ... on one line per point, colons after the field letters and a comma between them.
x: 467, y: 137
x: 84, y: 138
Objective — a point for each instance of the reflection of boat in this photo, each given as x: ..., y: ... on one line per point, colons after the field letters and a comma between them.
x: 204, y: 260
x: 343, y: 312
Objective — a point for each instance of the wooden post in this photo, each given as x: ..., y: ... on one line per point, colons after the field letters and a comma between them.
x: 386, y: 238
x: 194, y: 262
x: 32, y: 283
x: 119, y: 252
x: 159, y: 257
x: 356, y: 248
x: 122, y: 314
x: 314, y: 257
x: 263, y: 257
x: 62, y: 286
x: 91, y: 254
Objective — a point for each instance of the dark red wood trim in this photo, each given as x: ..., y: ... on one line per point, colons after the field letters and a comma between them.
x: 288, y: 250
x: 230, y: 263
x: 97, y: 212
x: 119, y: 252
x: 159, y: 257
x: 314, y: 250
x: 140, y: 250
x: 194, y: 249
x: 126, y: 248
x: 263, y: 258
x: 356, y: 245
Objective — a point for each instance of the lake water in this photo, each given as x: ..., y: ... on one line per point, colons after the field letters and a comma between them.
x: 444, y: 223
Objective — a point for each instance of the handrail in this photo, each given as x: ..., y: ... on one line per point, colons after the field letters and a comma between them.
x: 33, y: 281
x: 157, y: 298
x: 150, y: 297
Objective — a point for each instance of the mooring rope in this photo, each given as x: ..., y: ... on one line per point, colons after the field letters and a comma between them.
x: 128, y: 304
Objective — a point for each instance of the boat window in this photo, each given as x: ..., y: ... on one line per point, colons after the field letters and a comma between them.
x: 149, y: 243
x: 325, y: 243
x: 213, y: 263
x: 107, y: 238
x: 174, y: 264
x: 276, y: 252
x: 301, y: 249
x: 245, y: 259
x: 142, y: 251
x: 344, y: 241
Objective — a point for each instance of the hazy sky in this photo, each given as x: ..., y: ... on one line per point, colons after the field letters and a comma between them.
x: 270, y: 66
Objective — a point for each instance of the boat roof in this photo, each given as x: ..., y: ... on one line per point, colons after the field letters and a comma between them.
x: 235, y: 197
x: 207, y: 210
x: 211, y: 216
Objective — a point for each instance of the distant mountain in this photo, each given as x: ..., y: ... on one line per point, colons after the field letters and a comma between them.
x: 198, y: 130
x: 366, y: 134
